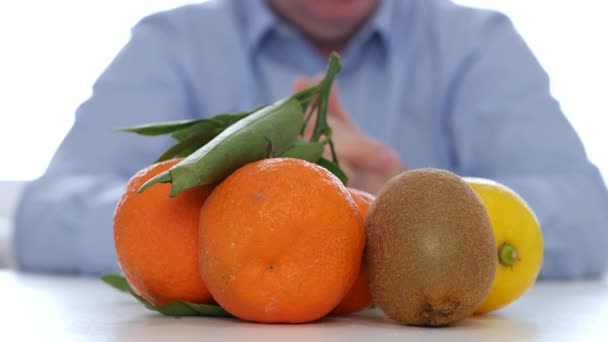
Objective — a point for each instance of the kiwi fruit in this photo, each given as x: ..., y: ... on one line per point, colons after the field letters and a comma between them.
x: 430, y: 248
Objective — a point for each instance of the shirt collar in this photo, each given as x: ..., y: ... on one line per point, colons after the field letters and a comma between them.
x: 380, y: 23
x: 261, y: 21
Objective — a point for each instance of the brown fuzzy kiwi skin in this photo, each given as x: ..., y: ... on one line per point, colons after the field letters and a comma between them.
x: 430, y: 249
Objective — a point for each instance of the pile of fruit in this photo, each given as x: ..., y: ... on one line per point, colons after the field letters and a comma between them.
x: 241, y: 217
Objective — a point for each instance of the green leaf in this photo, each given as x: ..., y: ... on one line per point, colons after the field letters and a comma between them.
x: 116, y: 281
x: 244, y: 142
x: 335, y: 169
x: 190, y: 134
x: 215, y: 124
x: 176, y: 308
x: 155, y: 129
x: 181, y: 129
x: 180, y: 308
x: 203, y: 126
x: 197, y: 135
x: 309, y: 151
x: 230, y: 119
x: 188, y: 144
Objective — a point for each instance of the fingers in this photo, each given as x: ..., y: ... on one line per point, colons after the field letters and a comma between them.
x: 372, y: 180
x: 335, y: 107
x: 367, y: 181
x: 369, y: 171
x: 367, y: 154
x: 356, y: 151
x: 301, y: 83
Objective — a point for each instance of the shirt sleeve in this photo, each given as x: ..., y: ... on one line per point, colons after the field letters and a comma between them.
x: 64, y: 219
x: 507, y: 127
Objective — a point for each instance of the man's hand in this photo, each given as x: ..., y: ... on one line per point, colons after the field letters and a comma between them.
x: 367, y: 163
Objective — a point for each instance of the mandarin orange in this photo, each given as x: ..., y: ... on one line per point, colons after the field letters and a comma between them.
x: 359, y: 297
x: 281, y: 241
x: 156, y: 239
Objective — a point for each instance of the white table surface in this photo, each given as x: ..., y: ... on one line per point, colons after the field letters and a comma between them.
x: 5, y: 239
x: 55, y: 308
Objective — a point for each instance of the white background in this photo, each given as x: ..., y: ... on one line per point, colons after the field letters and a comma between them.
x: 52, y: 51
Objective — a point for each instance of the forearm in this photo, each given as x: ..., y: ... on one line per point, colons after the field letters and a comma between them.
x: 64, y: 224
x: 573, y: 212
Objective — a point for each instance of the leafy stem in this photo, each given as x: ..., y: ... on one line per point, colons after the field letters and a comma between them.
x: 214, y: 147
x: 322, y: 126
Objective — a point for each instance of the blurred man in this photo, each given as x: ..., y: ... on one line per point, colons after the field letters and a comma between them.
x: 425, y: 83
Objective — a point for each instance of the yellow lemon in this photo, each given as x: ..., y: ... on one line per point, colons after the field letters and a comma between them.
x: 519, y: 243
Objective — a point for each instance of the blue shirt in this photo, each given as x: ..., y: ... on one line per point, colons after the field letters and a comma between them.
x: 447, y: 86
